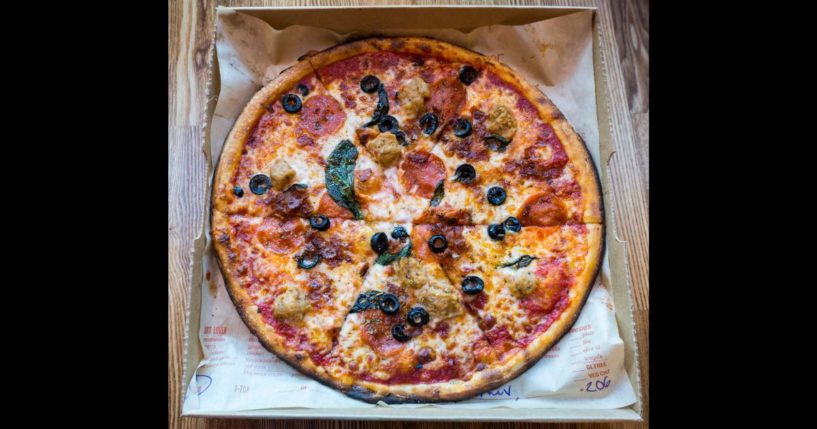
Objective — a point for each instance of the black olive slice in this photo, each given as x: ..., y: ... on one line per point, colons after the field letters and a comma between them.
x: 308, y: 261
x: 465, y: 173
x: 496, y: 142
x: 388, y: 303
x: 388, y: 123
x: 429, y: 123
x: 292, y: 103
x: 437, y: 243
x: 260, y: 184
x: 417, y: 316
x: 472, y: 285
x: 512, y: 224
x: 496, y: 231
x: 496, y: 195
x: 319, y: 222
x: 468, y: 74
x: 402, y: 140
x: 399, y: 232
x: 365, y: 301
x: 399, y: 333
x: 369, y: 84
x: 380, y: 242
x: 238, y: 191
x: 303, y: 89
x: 462, y: 127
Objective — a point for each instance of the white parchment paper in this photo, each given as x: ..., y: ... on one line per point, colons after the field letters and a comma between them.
x: 584, y: 370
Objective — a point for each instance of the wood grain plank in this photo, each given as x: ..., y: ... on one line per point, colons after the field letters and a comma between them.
x: 629, y: 191
x: 631, y: 21
x: 190, y: 37
x: 186, y: 170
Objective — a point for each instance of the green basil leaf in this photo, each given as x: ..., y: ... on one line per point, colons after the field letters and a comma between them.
x: 439, y: 193
x: 382, y: 107
x: 522, y: 262
x: 340, y: 177
x: 387, y: 258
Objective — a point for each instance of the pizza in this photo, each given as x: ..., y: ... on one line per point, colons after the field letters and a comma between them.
x: 406, y: 220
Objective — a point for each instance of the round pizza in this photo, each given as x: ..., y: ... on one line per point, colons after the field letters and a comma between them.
x: 406, y: 220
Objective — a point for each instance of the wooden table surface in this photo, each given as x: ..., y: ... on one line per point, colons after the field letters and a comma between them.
x: 190, y: 35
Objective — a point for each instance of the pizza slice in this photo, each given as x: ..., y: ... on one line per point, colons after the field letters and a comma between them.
x: 508, y: 156
x: 293, y: 280
x: 521, y: 283
x: 408, y: 329
x: 301, y: 155
x: 275, y: 167
x: 398, y: 98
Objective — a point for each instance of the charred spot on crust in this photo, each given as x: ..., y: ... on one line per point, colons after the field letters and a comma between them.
x: 397, y: 399
x: 362, y: 393
x: 307, y: 55
x: 398, y: 44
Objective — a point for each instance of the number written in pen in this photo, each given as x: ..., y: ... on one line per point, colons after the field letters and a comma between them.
x: 596, y: 386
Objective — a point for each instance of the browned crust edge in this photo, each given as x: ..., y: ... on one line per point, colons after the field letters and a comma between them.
x: 255, y: 323
x: 587, y: 174
x: 234, y: 144
x: 437, y: 392
x: 579, y: 155
x: 497, y: 376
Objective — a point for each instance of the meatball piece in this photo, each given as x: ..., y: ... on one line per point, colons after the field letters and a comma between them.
x: 281, y: 174
x: 412, y: 273
x: 440, y: 300
x: 291, y: 305
x: 412, y: 96
x: 385, y: 149
x: 501, y: 122
x: 524, y: 284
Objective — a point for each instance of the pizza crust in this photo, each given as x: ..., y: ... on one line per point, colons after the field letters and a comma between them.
x: 573, y: 144
x: 249, y: 311
x: 487, y: 379
x: 234, y: 145
x: 495, y: 376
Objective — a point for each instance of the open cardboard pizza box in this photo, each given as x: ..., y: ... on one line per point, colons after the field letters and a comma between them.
x: 347, y: 19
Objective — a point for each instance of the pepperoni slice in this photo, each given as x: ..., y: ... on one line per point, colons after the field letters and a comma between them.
x: 420, y: 235
x: 378, y: 332
x: 420, y: 172
x: 542, y: 209
x: 328, y: 207
x: 281, y: 237
x: 322, y: 115
x: 367, y: 183
x: 447, y: 96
